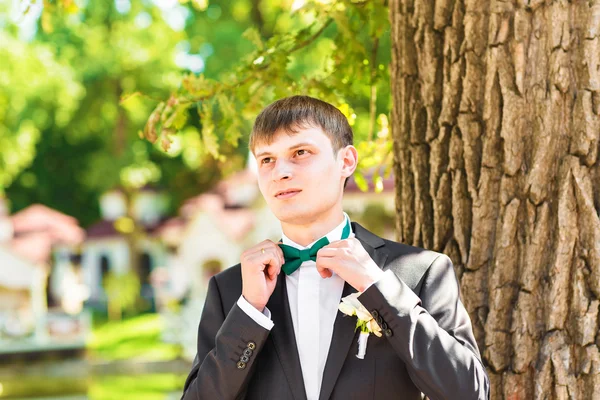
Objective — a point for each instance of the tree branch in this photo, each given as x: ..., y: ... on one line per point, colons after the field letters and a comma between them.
x: 313, y: 37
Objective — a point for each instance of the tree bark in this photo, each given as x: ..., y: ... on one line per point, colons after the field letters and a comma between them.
x: 496, y: 135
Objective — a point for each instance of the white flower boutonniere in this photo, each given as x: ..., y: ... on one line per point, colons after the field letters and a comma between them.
x: 351, y: 306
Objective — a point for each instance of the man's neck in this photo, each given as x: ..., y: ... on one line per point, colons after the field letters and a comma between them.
x: 307, y: 233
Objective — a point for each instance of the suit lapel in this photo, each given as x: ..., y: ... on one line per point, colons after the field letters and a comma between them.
x: 284, y: 338
x: 343, y: 328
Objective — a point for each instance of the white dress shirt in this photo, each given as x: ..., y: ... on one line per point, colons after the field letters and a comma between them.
x: 314, y: 306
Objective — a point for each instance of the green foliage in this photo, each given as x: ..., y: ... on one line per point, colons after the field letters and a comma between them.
x: 74, y: 99
x: 97, y: 387
x: 36, y: 92
x: 71, y: 108
x: 334, y: 50
x: 375, y: 154
x: 141, y: 387
x: 137, y: 338
x: 26, y: 386
x: 122, y: 291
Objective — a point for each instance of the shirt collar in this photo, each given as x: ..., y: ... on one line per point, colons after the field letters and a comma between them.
x: 333, y: 235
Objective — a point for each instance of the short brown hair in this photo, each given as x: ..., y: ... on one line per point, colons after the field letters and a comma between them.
x: 300, y: 112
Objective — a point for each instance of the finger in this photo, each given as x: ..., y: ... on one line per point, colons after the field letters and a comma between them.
x: 327, y: 252
x: 324, y: 272
x: 265, y: 248
x: 264, y: 260
x: 338, y: 244
x: 326, y: 264
x: 273, y: 270
x: 259, y: 248
x: 281, y: 256
x: 274, y: 266
x: 269, y: 244
x: 279, y: 252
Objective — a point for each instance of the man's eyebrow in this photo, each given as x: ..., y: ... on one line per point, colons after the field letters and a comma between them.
x: 267, y: 153
x: 304, y: 144
x: 264, y: 153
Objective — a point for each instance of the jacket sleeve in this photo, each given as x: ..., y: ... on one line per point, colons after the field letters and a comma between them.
x: 431, y: 332
x: 228, y: 344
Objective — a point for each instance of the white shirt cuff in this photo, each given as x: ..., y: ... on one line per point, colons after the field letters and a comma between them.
x: 374, y: 282
x: 6, y: 229
x: 261, y: 318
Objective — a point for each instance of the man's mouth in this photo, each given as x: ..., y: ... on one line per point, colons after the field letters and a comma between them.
x: 286, y: 194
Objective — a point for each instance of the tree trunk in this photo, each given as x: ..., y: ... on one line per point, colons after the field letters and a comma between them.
x: 496, y: 136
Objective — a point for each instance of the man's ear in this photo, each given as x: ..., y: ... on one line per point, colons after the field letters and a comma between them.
x: 349, y: 158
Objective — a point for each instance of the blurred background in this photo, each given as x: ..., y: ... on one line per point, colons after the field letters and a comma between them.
x: 111, y: 227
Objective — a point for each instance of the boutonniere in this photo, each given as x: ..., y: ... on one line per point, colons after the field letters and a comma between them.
x: 365, y: 322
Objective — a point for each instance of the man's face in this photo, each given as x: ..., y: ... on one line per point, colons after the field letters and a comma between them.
x: 299, y: 175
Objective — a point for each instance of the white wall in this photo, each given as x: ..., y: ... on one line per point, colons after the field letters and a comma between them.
x: 115, y: 249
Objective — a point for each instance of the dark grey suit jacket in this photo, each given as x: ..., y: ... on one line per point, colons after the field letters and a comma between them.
x: 428, y: 347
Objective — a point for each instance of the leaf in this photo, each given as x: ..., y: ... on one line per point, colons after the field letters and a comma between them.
x: 200, y: 5
x: 178, y: 118
x: 361, y: 182
x: 378, y: 182
x: 226, y: 105
x: 46, y: 21
x: 70, y: 6
x: 253, y: 35
x: 209, y: 139
x: 198, y: 85
x: 165, y: 143
x: 128, y: 96
x: 150, y: 130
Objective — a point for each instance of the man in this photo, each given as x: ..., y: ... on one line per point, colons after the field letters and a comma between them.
x: 271, y: 331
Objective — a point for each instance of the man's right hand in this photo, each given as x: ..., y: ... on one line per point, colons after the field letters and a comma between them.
x: 261, y: 265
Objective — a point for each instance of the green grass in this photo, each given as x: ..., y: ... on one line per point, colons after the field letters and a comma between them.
x: 136, y: 338
x: 131, y: 387
x: 142, y: 387
x: 27, y: 386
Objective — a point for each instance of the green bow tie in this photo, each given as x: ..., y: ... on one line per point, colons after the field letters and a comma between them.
x: 295, y: 257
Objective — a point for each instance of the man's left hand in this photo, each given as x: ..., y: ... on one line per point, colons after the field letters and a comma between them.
x: 349, y: 259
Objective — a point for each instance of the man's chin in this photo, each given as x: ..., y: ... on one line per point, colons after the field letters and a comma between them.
x: 293, y: 216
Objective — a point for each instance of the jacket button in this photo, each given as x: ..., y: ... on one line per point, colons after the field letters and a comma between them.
x: 251, y: 345
x: 388, y: 332
x: 241, y: 365
x: 247, y: 352
x: 383, y: 326
x: 375, y: 314
x: 379, y: 320
x: 244, y: 359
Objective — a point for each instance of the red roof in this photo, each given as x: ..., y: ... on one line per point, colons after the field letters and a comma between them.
x: 38, y: 228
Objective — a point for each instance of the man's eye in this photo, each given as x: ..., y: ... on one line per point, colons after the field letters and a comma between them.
x: 301, y: 152
x: 265, y: 160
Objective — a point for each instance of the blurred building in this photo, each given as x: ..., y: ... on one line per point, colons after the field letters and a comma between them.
x: 22, y: 298
x: 120, y: 235
x: 28, y: 321
x: 209, y: 234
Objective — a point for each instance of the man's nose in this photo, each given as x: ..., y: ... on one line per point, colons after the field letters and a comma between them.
x: 282, y: 170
